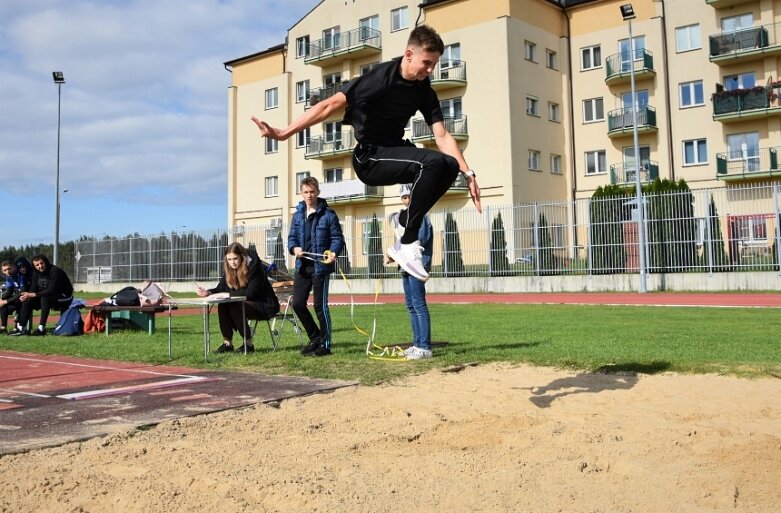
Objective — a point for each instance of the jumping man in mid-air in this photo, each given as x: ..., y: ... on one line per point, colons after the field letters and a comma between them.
x: 379, y: 105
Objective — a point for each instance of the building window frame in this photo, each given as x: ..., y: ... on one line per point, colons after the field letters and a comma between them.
x: 691, y: 94
x: 591, y: 57
x: 530, y: 51
x: 271, y: 98
x: 593, y: 110
x: 695, y: 152
x: 687, y: 38
x: 271, y: 186
x: 596, y: 162
x: 399, y: 19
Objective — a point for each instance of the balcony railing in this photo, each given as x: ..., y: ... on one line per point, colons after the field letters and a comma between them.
x: 421, y: 132
x: 624, y: 173
x: 348, y: 191
x: 618, y: 67
x: 326, y: 147
x: 740, y: 100
x: 721, y: 4
x: 451, y: 76
x: 357, y: 43
x: 744, y: 43
x: 321, y: 93
x: 621, y: 121
x: 755, y: 163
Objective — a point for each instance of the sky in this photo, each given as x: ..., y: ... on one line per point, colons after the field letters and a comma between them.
x: 143, y: 111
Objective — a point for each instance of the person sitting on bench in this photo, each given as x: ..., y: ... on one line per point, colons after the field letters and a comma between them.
x: 51, y: 289
x: 17, y: 280
x: 244, y: 275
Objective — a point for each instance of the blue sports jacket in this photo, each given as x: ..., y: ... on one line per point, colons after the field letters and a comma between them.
x: 326, y: 234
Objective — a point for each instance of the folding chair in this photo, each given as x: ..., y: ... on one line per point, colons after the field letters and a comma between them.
x: 284, y: 292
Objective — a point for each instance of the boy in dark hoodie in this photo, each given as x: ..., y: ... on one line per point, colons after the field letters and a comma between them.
x: 51, y: 288
x: 18, y: 279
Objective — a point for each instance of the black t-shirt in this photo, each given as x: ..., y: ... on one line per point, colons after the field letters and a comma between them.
x: 381, y: 102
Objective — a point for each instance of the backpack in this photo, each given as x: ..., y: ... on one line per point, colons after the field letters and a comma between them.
x: 151, y: 294
x: 70, y: 323
x: 126, y: 297
x: 95, y: 322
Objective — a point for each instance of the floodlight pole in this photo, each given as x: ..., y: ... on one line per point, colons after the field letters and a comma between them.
x: 59, y: 80
x: 636, y: 150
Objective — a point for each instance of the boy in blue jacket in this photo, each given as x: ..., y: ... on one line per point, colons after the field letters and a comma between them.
x: 316, y: 240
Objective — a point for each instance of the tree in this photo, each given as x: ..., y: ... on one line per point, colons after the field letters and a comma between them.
x: 500, y: 266
x: 452, y: 259
x: 714, y: 251
x: 545, y: 249
x: 607, y: 216
x: 376, y: 256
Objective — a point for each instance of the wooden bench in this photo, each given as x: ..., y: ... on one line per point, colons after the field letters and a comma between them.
x: 139, y: 317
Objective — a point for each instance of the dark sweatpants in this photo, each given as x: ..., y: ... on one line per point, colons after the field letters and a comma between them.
x: 305, y: 281
x: 430, y: 172
x: 45, y: 304
x: 231, y: 318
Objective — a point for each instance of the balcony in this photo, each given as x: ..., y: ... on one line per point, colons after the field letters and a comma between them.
x: 320, y: 94
x: 723, y: 4
x: 459, y: 184
x: 421, y: 132
x: 349, y: 191
x: 745, y: 45
x: 618, y: 68
x: 742, y: 104
x: 450, y: 77
x: 755, y: 163
x: 624, y: 173
x: 620, y: 121
x: 323, y: 148
x: 357, y: 43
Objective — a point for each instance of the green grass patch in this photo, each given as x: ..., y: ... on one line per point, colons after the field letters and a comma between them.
x: 735, y: 341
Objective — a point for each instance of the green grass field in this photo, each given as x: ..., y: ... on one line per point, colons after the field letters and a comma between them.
x: 735, y: 341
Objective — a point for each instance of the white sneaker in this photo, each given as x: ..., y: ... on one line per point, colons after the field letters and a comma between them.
x: 398, y: 230
x: 410, y: 258
x: 409, y: 350
x: 419, y: 354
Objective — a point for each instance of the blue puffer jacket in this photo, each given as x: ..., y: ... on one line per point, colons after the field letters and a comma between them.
x: 326, y: 234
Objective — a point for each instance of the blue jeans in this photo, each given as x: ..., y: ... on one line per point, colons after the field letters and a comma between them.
x: 415, y: 301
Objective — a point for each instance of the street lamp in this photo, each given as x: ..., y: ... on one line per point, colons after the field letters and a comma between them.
x: 58, y: 208
x: 59, y: 79
x: 628, y: 13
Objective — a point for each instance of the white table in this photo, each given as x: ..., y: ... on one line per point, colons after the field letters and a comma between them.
x: 206, y: 304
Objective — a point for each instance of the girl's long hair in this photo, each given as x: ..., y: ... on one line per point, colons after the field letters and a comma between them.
x: 236, y: 278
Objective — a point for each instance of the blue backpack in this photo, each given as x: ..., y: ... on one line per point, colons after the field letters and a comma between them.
x: 70, y: 322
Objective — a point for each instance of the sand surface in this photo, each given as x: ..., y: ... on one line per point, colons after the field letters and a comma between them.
x: 490, y: 438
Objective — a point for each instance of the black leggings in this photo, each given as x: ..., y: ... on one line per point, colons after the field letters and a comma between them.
x: 45, y: 304
x: 230, y: 317
x: 305, y: 281
x: 430, y: 172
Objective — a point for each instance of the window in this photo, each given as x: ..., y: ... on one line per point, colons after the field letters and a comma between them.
x: 302, y: 138
x: 300, y: 176
x: 370, y: 27
x: 534, y: 160
x: 331, y: 38
x: 272, y: 145
x: 593, y: 110
x: 687, y: 38
x: 641, y: 97
x: 551, y: 59
x: 735, y: 23
x: 272, y: 98
x: 590, y: 57
x: 332, y: 133
x: 451, y: 108
x: 744, y: 147
x: 451, y: 57
x: 302, y: 47
x: 333, y: 175
x: 274, y: 243
x: 741, y: 81
x: 749, y: 229
x: 695, y: 152
x: 596, y: 162
x: 399, y: 19
x: 631, y: 51
x: 332, y: 80
x: 630, y: 165
x: 367, y: 238
x: 302, y: 91
x: 532, y: 106
x: 530, y: 51
x: 555, y: 164
x: 554, y: 112
x: 691, y: 94
x: 365, y: 68
x: 272, y: 186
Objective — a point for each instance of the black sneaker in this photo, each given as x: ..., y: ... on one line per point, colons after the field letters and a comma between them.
x: 38, y: 333
x: 224, y: 348
x: 311, y: 347
x: 250, y: 349
x: 321, y: 351
x: 19, y: 333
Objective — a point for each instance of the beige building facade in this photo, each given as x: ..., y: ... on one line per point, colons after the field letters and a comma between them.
x: 537, y: 93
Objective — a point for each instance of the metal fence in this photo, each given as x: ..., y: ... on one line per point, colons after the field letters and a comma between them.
x: 707, y: 230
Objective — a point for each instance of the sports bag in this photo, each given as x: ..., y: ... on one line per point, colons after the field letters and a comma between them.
x: 70, y: 323
x: 126, y: 297
x: 95, y: 322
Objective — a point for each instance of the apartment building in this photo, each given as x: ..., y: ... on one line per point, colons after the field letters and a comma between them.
x: 538, y: 93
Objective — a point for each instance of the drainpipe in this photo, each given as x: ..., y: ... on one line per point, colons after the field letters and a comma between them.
x: 574, y: 159
x: 666, y: 67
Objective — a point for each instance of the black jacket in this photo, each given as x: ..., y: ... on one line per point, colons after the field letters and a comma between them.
x: 52, y: 282
x: 258, y: 290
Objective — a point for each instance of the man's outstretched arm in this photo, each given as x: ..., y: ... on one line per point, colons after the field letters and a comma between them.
x: 318, y: 113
